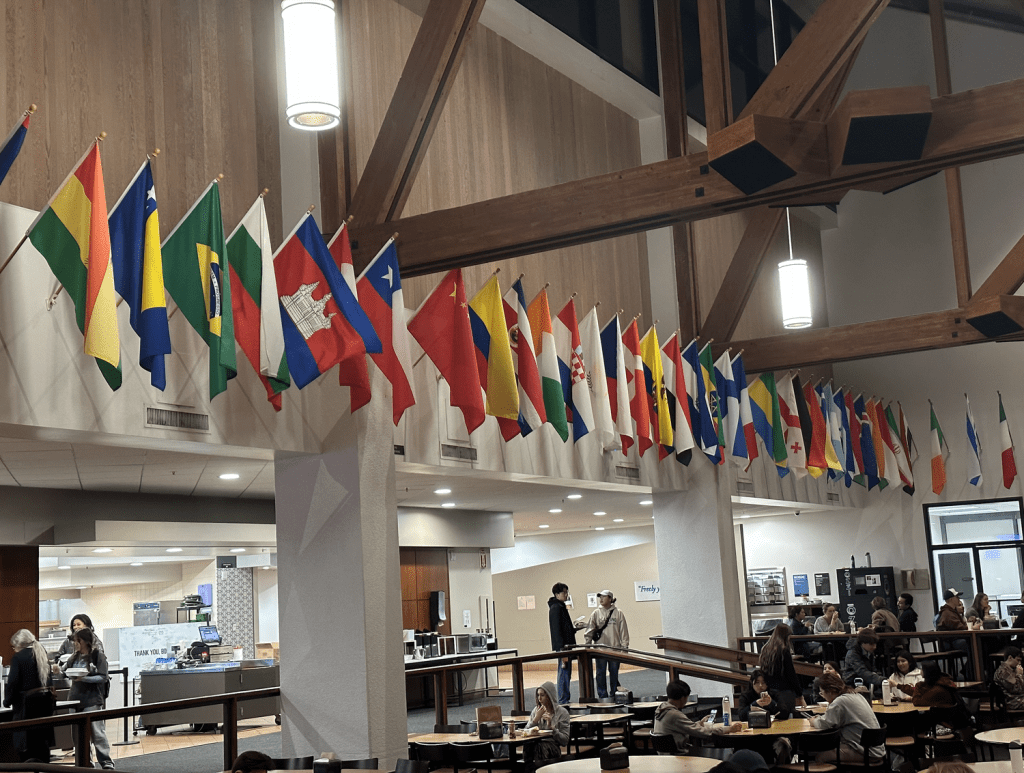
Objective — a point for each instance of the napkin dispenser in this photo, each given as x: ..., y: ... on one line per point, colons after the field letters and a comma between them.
x: 489, y: 730
x: 614, y: 758
x: 759, y: 718
x: 324, y: 765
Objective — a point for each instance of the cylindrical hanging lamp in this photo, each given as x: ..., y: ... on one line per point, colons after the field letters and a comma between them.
x: 796, y: 293
x: 311, y: 64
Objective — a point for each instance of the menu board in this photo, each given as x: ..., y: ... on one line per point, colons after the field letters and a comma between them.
x: 822, y: 584
x: 800, y: 587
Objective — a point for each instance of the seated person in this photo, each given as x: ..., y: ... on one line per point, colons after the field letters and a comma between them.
x: 851, y: 714
x: 742, y: 761
x: 669, y: 719
x: 757, y: 695
x: 907, y: 614
x: 952, y: 619
x: 1010, y: 677
x: 882, y: 615
x: 549, y: 715
x: 252, y: 762
x: 829, y: 621
x: 938, y: 690
x: 860, y: 660
x: 905, y: 677
x: 814, y: 693
x: 808, y: 649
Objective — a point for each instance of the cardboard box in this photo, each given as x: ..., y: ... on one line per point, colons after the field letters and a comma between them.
x: 268, y: 649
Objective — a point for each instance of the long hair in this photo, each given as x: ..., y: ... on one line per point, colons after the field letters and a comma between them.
x: 773, y: 652
x: 907, y: 656
x: 86, y: 635
x: 85, y: 619
x: 978, y: 604
x: 931, y: 673
x: 23, y: 639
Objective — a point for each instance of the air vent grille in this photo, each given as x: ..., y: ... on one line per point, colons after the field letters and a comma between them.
x: 832, y: 497
x: 745, y: 487
x: 399, y: 450
x: 459, y: 453
x: 630, y: 473
x: 166, y: 418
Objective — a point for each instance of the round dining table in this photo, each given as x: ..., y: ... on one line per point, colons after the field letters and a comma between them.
x: 999, y: 766
x: 644, y: 763
x: 781, y: 727
x: 1002, y: 735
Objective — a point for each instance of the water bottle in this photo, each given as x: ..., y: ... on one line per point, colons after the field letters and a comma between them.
x: 886, y: 693
x: 1016, y: 765
x: 725, y: 711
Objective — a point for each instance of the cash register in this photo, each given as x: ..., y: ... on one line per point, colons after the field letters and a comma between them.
x: 209, y: 638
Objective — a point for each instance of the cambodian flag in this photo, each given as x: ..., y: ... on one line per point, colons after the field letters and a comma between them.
x: 322, y: 321
x: 12, y: 145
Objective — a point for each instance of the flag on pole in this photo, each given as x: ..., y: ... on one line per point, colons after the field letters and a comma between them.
x: 789, y: 413
x: 380, y: 293
x: 834, y: 426
x: 73, y: 235
x: 493, y: 351
x: 729, y: 400
x: 12, y: 145
x: 710, y: 410
x: 573, y: 371
x: 683, y: 441
x: 974, y: 475
x: 256, y: 313
x: 739, y: 375
x: 441, y: 326
x: 539, y: 313
x: 857, y: 473
x: 352, y: 371
x: 657, y: 398
x: 765, y: 408
x: 890, y: 447
x: 867, y: 443
x: 871, y: 407
x: 638, y: 407
x: 898, y: 449
x: 139, y: 272
x: 1006, y: 454
x: 909, y: 447
x: 850, y: 468
x: 817, y: 457
x: 618, y: 386
x: 940, y: 451
x: 531, y: 393
x: 597, y: 382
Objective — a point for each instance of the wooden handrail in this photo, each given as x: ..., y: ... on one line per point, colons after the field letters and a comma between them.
x: 717, y: 652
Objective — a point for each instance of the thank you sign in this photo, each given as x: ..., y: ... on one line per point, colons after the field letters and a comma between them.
x: 647, y: 590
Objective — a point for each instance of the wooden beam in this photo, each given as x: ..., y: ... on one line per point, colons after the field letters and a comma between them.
x: 997, y: 315
x: 714, y: 59
x: 954, y: 190
x: 415, y: 109
x: 334, y: 146
x: 1007, y: 277
x: 967, y: 128
x: 802, y: 348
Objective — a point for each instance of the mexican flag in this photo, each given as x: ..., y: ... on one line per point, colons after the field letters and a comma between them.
x: 257, y: 325
x: 194, y: 257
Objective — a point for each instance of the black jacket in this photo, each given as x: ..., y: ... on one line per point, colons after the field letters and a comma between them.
x: 908, y: 620
x: 860, y: 664
x: 563, y: 633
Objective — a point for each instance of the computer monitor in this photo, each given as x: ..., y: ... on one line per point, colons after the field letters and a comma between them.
x: 209, y: 634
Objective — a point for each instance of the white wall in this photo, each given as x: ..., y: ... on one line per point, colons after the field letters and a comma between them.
x: 111, y: 607
x: 533, y: 550
x: 266, y: 605
x: 467, y: 582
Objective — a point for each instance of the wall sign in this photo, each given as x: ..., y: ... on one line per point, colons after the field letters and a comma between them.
x: 526, y: 602
x: 800, y: 586
x: 822, y: 584
x: 647, y: 590
x: 592, y: 600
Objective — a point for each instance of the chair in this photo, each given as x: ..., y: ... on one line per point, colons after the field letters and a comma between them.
x: 807, y: 745
x: 665, y: 744
x: 411, y: 766
x: 612, y: 732
x: 641, y: 725
x: 293, y: 763
x: 472, y: 755
x: 870, y: 737
x: 435, y: 755
x: 368, y: 764
x: 452, y: 729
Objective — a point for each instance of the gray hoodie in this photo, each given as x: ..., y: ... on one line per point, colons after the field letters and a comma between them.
x: 559, y: 721
x: 668, y: 720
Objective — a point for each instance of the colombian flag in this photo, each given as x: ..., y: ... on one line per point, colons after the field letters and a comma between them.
x: 72, y: 234
x: 494, y: 351
x: 139, y: 270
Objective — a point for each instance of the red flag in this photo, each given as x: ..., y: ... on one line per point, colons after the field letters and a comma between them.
x: 441, y: 326
x: 352, y: 371
x: 638, y: 407
x: 816, y: 451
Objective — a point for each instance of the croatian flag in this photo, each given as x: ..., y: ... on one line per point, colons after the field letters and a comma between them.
x: 322, y: 321
x: 573, y: 371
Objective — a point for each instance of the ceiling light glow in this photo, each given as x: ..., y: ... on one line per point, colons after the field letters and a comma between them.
x: 237, y: 550
x: 63, y: 567
x: 103, y: 550
x: 555, y: 510
x: 135, y: 563
x: 447, y: 504
x: 575, y: 496
x: 442, y: 491
x: 647, y: 501
x: 313, y: 94
x: 618, y: 520
x: 174, y: 550
x: 544, y: 526
x: 599, y: 528
x: 600, y: 512
x: 229, y: 476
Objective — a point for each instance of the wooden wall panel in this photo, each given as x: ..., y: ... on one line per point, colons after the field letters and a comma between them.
x: 424, y: 570
x: 197, y: 79
x: 19, y: 579
x: 510, y: 124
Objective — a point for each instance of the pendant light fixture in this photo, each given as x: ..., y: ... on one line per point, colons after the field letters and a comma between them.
x: 311, y: 64
x: 794, y: 284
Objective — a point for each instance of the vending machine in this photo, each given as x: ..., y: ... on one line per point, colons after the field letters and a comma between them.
x: 857, y: 587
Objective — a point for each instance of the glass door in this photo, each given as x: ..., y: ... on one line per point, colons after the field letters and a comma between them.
x: 1001, y: 567
x: 955, y: 568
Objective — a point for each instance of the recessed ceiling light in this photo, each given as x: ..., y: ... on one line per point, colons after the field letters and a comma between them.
x: 174, y: 550
x: 618, y: 520
x: 600, y: 512
x: 545, y: 526
x: 229, y: 476
x: 135, y: 563
x: 81, y: 587
x: 447, y: 504
x: 264, y: 568
x: 647, y: 501
x: 103, y: 550
x: 442, y: 491
x: 237, y: 550
x: 575, y: 496
x: 599, y: 528
x: 63, y: 567
x: 555, y: 510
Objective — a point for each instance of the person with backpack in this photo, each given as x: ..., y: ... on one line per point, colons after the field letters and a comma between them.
x: 607, y: 627
x: 91, y: 689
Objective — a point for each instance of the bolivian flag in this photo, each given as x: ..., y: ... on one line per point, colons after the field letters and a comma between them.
x: 72, y: 234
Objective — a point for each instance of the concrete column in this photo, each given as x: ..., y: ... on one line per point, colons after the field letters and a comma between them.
x: 697, y: 566
x: 342, y: 665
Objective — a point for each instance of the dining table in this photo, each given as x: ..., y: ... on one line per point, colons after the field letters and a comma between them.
x: 996, y: 766
x: 520, y: 740
x: 645, y: 763
x: 1001, y: 736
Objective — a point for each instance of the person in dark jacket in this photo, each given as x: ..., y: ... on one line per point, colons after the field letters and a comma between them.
x: 860, y: 660
x: 757, y: 695
x: 90, y: 690
x: 29, y: 695
x: 937, y: 689
x: 563, y: 635
x: 907, y: 614
x: 776, y: 660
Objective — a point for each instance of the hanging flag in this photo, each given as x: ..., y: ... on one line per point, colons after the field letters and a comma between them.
x: 789, y: 413
x: 974, y: 475
x: 871, y: 408
x: 618, y: 386
x: 493, y: 351
x: 746, y: 423
x: 138, y: 270
x: 817, y: 458
x: 858, y: 472
x: 12, y: 145
x: 539, y: 313
x: 352, y: 370
x: 867, y: 443
x: 1006, y: 454
x: 638, y: 406
x: 889, y: 447
x: 694, y: 383
x: 657, y: 398
x: 441, y: 326
x: 73, y: 235
x: 255, y: 311
x: 850, y: 468
x: 710, y: 410
x: 833, y: 430
x: 765, y: 408
x: 380, y: 295
x: 531, y: 393
x: 194, y: 256
x: 573, y: 371
x: 939, y: 453
x: 909, y: 447
x: 901, y: 454
x: 683, y: 441
x: 597, y: 382
x: 729, y: 403
x: 323, y: 324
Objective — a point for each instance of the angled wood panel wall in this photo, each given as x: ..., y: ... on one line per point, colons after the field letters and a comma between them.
x: 19, y: 579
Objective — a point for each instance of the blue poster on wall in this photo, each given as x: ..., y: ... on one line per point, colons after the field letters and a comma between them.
x: 206, y: 594
x: 800, y: 586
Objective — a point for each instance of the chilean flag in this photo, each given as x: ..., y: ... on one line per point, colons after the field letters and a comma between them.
x: 322, y: 321
x: 380, y: 294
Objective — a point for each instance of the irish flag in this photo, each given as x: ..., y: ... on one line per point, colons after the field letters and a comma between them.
x: 73, y: 235
x: 1009, y: 463
x: 258, y: 324
x: 939, y: 453
x: 539, y: 314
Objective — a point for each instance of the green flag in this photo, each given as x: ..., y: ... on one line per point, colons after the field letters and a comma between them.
x: 196, y: 276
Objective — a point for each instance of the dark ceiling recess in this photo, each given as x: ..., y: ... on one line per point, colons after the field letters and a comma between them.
x: 988, y: 13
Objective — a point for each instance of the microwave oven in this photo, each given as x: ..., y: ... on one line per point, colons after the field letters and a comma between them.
x: 477, y: 642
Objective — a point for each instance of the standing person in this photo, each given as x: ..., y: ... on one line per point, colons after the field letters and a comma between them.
x: 607, y: 627
x: 907, y: 614
x: 776, y: 661
x: 1010, y: 677
x: 548, y: 715
x: 563, y: 636
x: 91, y: 690
x: 851, y: 714
x: 78, y: 622
x: 29, y: 694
